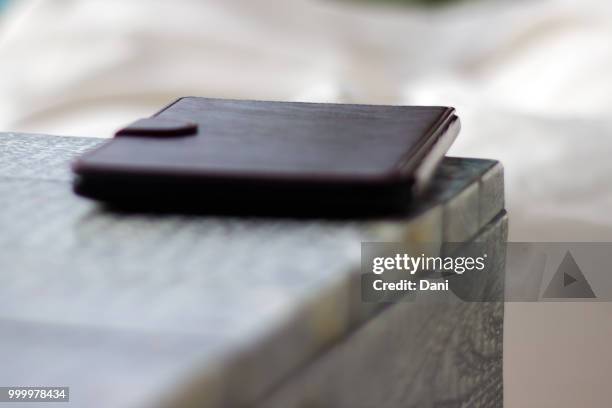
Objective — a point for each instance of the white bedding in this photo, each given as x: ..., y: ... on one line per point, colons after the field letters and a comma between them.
x: 532, y: 79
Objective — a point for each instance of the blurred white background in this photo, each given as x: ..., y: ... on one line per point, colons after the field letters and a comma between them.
x: 532, y: 81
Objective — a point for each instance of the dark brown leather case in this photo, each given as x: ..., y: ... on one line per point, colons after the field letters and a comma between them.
x: 238, y: 156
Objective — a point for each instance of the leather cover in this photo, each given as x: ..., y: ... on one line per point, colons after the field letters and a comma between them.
x: 280, y: 157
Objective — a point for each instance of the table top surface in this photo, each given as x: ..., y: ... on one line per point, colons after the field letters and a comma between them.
x: 169, y: 297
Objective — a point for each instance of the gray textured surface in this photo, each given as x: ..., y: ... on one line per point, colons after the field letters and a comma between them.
x: 431, y: 352
x: 491, y: 192
x: 477, y: 204
x: 244, y: 302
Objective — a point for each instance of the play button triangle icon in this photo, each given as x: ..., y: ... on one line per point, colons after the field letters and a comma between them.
x: 569, y: 281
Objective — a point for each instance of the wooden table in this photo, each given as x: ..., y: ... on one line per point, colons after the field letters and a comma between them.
x: 134, y: 310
